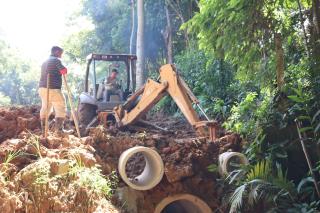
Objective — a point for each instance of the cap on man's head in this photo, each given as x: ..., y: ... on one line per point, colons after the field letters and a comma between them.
x: 115, y: 70
x: 55, y: 50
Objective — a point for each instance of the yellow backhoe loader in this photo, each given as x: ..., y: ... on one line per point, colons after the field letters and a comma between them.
x: 95, y: 108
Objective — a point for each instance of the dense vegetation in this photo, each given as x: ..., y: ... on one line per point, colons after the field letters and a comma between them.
x: 254, y: 66
x: 17, y: 82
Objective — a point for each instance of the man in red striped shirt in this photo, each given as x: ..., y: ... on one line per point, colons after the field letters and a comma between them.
x: 55, y: 69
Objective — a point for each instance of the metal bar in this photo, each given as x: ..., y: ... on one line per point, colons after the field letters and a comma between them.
x: 203, y: 112
x: 94, y: 79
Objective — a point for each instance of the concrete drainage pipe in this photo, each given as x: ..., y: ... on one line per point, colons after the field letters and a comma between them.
x: 230, y: 161
x: 152, y: 172
x: 182, y: 203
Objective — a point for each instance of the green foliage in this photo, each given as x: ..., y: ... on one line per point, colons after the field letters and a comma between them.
x: 94, y: 180
x: 33, y: 140
x: 255, y: 151
x: 210, y: 80
x: 42, y: 175
x: 11, y: 155
x: 166, y: 105
x: 260, y: 149
x: 302, y: 111
x: 248, y: 114
x: 212, y: 168
x: 242, y: 112
x: 262, y: 189
x: 312, y: 207
x: 242, y: 33
x: 306, y: 189
x: 18, y: 84
x: 4, y: 100
x: 80, y: 44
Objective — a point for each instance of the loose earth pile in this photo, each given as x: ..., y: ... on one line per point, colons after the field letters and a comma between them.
x: 80, y: 175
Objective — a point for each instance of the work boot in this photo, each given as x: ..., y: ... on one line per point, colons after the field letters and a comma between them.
x: 43, y: 126
x: 59, y: 128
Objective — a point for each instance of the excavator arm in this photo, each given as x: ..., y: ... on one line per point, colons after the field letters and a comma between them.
x: 153, y: 91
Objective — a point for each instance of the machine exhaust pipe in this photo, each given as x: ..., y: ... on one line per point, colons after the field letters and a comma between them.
x: 152, y: 172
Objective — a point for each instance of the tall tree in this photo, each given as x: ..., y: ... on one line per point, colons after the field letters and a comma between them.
x: 133, y: 17
x: 167, y: 36
x: 315, y: 45
x: 140, y: 75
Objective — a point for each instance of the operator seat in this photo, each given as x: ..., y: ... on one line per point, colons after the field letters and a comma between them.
x: 100, y: 91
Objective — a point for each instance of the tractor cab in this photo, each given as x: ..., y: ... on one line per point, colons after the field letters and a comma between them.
x: 103, y: 90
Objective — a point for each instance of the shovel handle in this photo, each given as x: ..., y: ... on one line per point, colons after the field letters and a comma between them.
x: 71, y: 105
x: 46, y: 128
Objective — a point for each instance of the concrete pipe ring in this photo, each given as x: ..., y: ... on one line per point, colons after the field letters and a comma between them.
x: 230, y: 161
x: 152, y: 172
x: 182, y: 203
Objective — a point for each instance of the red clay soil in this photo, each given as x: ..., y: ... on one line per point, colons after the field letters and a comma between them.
x: 17, y: 119
x: 185, y: 157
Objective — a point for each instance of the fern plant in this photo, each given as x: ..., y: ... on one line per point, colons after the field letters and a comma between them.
x: 261, y: 189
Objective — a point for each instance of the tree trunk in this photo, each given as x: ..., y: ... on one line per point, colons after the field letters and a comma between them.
x: 167, y: 36
x: 316, y: 15
x: 305, y: 40
x: 141, y: 75
x: 279, y: 60
x: 315, y: 47
x: 176, y: 8
x: 133, y: 17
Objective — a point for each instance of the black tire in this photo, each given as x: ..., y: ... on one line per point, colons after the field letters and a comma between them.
x: 86, y: 112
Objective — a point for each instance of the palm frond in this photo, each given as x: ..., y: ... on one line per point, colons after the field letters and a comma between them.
x: 256, y: 191
x: 262, y: 170
x: 235, y: 175
x: 237, y: 198
x: 280, y: 181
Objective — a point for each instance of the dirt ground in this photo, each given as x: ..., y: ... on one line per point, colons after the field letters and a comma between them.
x: 14, y: 120
x: 47, y: 175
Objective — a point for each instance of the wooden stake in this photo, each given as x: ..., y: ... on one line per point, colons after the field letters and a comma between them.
x: 71, y: 105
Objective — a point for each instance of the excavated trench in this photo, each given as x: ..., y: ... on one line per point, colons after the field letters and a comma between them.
x: 186, y: 185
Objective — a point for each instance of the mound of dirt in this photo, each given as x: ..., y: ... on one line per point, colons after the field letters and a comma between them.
x: 38, y: 178
x: 17, y: 119
x: 185, y: 159
x: 68, y: 174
